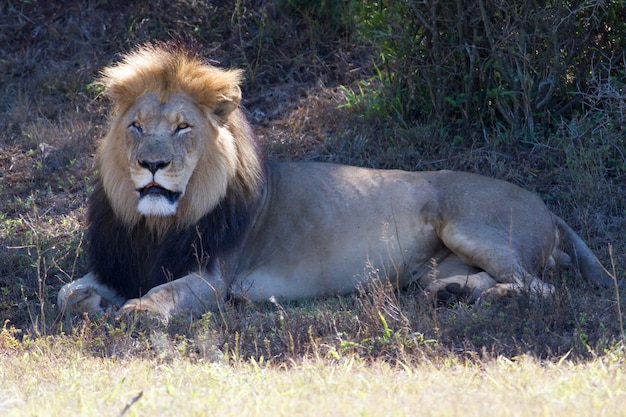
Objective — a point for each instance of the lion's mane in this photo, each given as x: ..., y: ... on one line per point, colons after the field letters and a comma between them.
x: 133, y: 253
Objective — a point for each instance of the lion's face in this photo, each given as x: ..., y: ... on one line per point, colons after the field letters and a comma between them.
x: 163, y: 149
x: 167, y: 157
x: 177, y: 142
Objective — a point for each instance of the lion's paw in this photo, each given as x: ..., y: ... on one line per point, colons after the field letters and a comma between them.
x: 452, y: 294
x: 142, y: 307
x: 500, y: 291
x: 82, y: 299
x: 87, y: 295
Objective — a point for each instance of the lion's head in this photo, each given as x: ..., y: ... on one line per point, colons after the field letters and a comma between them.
x: 178, y: 143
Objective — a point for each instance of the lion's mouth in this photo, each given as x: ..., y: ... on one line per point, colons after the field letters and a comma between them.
x: 154, y: 189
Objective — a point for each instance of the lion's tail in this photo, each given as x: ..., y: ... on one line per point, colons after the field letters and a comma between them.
x: 587, y: 263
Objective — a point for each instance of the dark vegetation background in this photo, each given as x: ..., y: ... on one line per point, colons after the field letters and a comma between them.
x: 528, y: 91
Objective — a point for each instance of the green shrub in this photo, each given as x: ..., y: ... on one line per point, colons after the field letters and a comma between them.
x: 330, y: 12
x: 487, y: 63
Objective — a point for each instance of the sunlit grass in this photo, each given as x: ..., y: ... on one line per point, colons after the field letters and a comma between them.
x: 51, y: 378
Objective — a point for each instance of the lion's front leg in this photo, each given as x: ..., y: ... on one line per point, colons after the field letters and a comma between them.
x: 87, y: 295
x: 193, y: 294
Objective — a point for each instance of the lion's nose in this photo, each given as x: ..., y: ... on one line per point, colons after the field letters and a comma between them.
x: 153, y: 166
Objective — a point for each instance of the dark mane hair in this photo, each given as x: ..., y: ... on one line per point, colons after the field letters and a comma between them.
x: 132, y: 261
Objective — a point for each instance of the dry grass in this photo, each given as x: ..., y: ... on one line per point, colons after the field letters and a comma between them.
x: 50, y: 378
x: 50, y: 123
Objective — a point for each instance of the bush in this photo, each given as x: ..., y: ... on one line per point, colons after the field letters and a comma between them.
x: 487, y: 63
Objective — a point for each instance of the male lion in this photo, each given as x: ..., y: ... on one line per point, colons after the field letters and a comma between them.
x: 185, y: 213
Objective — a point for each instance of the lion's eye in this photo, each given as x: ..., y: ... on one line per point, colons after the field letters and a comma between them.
x: 182, y: 127
x: 137, y: 126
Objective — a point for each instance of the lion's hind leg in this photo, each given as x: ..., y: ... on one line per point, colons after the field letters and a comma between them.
x: 452, y: 281
x: 511, y: 266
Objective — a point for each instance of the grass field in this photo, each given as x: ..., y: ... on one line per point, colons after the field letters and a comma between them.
x: 370, y: 354
x: 50, y: 379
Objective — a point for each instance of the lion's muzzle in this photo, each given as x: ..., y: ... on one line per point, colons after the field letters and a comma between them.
x: 156, y: 190
x: 156, y: 200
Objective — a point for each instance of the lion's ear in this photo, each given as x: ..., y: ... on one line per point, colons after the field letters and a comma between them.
x: 227, y: 101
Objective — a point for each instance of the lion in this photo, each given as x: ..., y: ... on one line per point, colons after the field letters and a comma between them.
x: 185, y: 213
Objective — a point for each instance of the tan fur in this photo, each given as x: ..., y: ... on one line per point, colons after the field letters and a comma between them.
x: 318, y: 228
